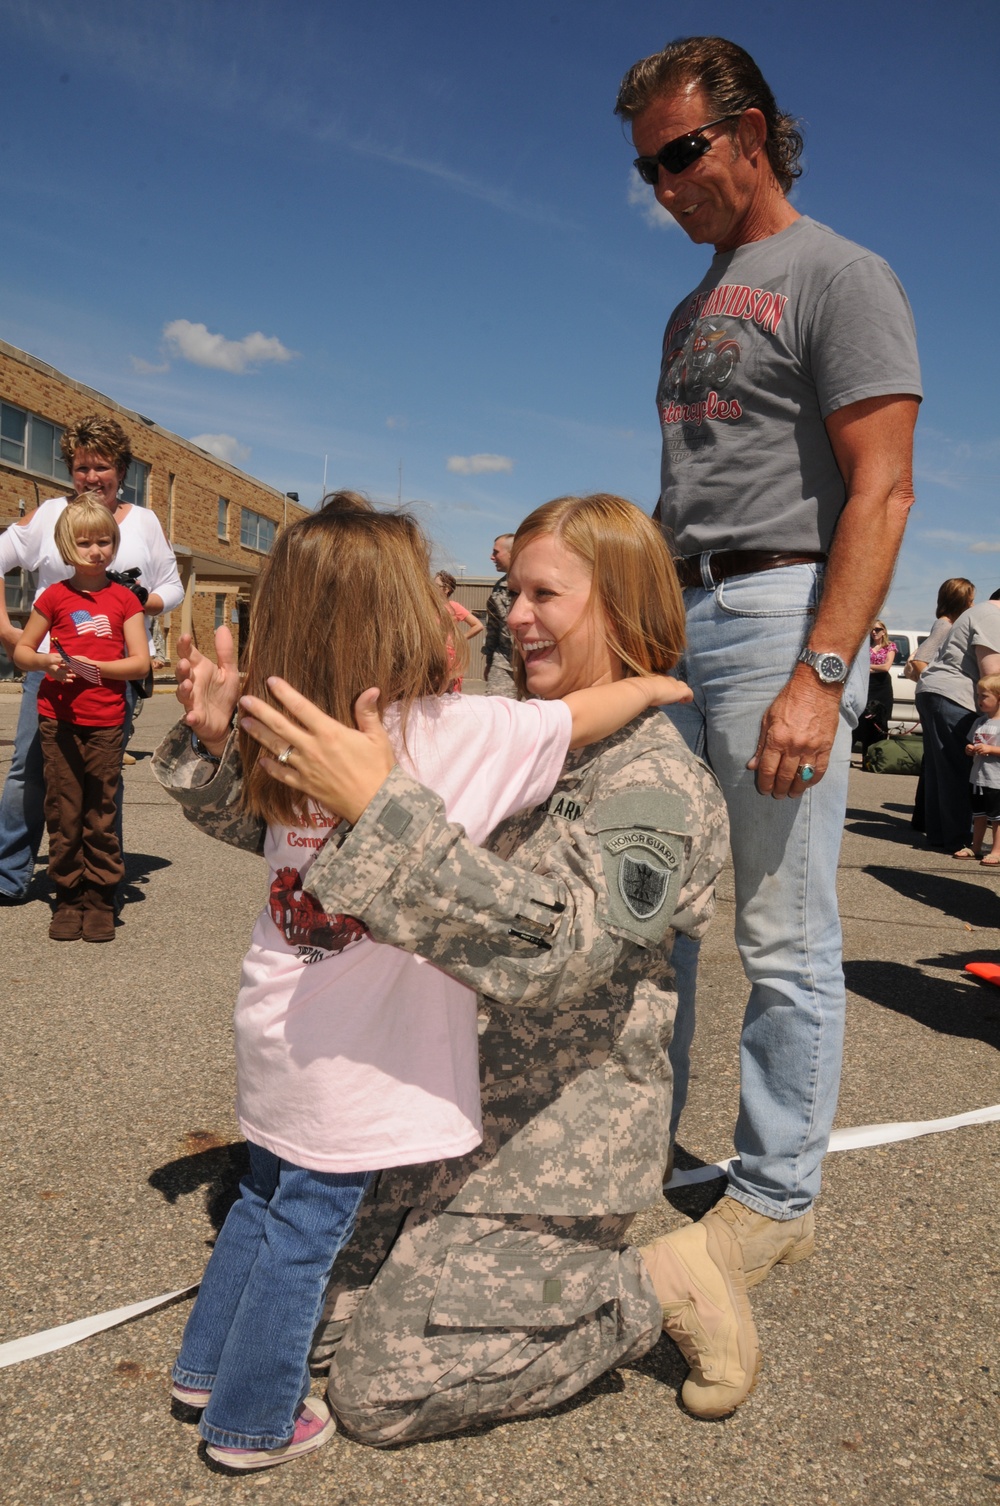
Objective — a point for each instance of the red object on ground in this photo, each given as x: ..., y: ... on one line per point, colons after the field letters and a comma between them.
x: 988, y: 971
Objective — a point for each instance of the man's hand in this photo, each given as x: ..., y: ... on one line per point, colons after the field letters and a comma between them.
x: 9, y: 636
x: 797, y: 728
x: 208, y: 692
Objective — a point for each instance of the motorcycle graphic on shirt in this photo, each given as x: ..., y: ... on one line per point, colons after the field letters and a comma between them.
x: 304, y: 923
x: 705, y: 362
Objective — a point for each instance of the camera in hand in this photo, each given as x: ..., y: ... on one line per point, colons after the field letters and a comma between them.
x: 130, y: 580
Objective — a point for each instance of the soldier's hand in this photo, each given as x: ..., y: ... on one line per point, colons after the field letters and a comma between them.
x: 208, y: 691
x: 341, y: 768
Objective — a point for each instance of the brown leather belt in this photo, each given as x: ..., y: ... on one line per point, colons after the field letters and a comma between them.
x: 726, y: 562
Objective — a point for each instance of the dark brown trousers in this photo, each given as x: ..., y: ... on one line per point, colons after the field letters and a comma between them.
x: 82, y: 769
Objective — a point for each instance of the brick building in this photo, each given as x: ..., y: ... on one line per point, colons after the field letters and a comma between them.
x: 219, y: 521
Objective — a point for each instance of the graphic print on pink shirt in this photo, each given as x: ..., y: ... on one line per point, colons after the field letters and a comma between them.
x: 303, y: 922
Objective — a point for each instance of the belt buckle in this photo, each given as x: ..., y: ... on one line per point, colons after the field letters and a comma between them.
x: 705, y: 566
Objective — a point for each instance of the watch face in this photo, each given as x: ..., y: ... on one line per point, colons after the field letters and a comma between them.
x: 831, y: 667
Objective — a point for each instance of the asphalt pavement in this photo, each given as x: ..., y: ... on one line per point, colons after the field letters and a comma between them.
x: 881, y: 1376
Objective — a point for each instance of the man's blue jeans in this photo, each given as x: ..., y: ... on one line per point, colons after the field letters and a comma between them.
x: 22, y: 806
x: 743, y: 638
x: 248, y: 1337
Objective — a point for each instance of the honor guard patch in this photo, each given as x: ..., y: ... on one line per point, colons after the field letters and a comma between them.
x: 643, y: 855
x: 642, y: 887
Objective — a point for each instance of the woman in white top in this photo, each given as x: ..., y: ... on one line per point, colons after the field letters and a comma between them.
x: 98, y: 454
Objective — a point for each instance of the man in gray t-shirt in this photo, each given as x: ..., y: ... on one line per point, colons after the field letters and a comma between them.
x: 787, y: 398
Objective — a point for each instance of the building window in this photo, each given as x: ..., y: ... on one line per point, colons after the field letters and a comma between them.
x: 133, y: 488
x: 223, y: 518
x: 31, y: 442
x: 256, y: 531
x: 220, y: 609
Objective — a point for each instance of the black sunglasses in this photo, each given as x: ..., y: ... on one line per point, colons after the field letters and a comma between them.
x: 678, y: 154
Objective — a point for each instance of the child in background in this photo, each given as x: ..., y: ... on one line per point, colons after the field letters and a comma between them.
x: 351, y: 1056
x: 471, y: 628
x: 91, y: 623
x: 983, y: 748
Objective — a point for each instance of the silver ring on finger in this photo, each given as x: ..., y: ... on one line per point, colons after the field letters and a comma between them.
x: 806, y: 772
x: 286, y: 754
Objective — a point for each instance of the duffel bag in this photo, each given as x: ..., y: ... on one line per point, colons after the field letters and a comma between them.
x: 895, y: 755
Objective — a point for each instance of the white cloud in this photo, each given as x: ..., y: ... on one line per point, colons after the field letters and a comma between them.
x: 478, y: 465
x: 223, y: 447
x: 196, y: 343
x: 397, y: 421
x: 641, y: 197
x: 147, y: 368
x: 984, y: 548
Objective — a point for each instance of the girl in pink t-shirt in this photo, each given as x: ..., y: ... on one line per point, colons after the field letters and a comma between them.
x: 351, y: 1056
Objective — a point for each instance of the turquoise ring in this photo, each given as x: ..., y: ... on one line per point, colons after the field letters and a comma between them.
x: 806, y: 772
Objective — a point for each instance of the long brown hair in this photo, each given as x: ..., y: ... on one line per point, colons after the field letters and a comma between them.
x: 634, y: 581
x: 344, y: 601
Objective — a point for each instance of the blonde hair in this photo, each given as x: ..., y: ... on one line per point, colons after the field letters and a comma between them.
x: 989, y: 683
x: 634, y: 581
x: 88, y: 510
x: 344, y: 602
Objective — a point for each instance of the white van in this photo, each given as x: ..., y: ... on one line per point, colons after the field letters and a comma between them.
x: 907, y: 641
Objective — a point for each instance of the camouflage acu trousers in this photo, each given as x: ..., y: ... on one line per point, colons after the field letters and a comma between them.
x: 473, y: 1319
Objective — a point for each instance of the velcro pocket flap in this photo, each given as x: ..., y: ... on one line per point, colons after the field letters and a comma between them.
x: 488, y: 1288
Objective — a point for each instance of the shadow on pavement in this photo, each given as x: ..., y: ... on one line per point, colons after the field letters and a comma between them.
x: 960, y: 1007
x: 218, y: 1169
x: 973, y: 903
x: 880, y: 825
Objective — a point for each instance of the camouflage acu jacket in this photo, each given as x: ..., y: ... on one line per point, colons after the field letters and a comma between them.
x: 564, y: 925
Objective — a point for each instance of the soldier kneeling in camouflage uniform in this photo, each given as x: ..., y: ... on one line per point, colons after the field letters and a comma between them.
x: 500, y: 1283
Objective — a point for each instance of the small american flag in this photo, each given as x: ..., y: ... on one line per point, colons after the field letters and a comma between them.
x: 85, y: 623
x: 89, y: 672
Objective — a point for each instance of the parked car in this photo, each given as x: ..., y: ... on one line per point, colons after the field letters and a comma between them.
x: 907, y: 641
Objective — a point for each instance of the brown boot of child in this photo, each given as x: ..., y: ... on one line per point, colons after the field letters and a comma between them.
x: 99, y: 914
x: 67, y: 918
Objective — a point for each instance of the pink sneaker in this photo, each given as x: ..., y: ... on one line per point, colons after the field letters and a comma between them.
x: 313, y: 1426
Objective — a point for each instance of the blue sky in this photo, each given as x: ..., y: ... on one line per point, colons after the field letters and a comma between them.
x: 409, y: 235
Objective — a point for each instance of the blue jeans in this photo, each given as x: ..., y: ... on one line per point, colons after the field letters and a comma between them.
x: 261, y: 1297
x: 743, y: 638
x: 22, y: 806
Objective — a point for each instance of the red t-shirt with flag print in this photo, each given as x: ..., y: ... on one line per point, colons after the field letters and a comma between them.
x: 91, y: 624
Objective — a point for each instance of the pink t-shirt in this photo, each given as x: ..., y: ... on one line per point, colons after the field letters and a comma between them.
x: 352, y: 1055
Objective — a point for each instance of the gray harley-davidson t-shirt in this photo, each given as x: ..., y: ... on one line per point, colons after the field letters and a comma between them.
x: 779, y: 334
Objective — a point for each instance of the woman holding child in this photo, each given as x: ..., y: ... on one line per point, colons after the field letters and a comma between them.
x: 97, y: 453
x: 499, y: 1282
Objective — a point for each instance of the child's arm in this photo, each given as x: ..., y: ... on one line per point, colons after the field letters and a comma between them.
x: 25, y: 650
x: 136, y: 664
x: 602, y: 710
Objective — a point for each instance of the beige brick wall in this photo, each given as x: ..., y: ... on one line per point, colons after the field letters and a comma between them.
x: 184, y: 482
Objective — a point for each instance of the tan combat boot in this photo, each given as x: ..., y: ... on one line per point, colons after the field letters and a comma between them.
x: 765, y: 1241
x: 697, y: 1273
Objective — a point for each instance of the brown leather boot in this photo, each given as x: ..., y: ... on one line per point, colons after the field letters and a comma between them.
x: 67, y: 919
x: 99, y: 914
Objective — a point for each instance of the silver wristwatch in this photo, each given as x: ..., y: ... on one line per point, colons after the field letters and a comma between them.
x: 830, y: 668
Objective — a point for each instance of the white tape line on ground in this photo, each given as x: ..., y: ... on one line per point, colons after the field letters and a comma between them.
x: 848, y: 1139
x: 860, y: 1138
x: 71, y: 1333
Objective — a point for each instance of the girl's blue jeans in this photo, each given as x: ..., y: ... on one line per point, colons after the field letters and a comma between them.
x: 248, y: 1337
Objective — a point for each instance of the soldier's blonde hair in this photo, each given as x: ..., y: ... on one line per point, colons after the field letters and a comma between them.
x: 344, y: 601
x: 635, y: 584
x: 81, y: 513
